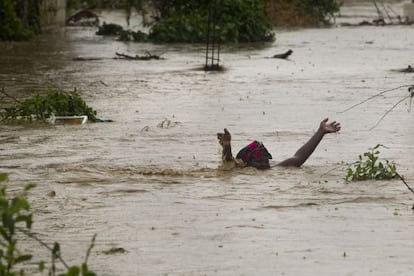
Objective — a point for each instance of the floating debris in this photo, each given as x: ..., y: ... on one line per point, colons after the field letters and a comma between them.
x: 114, y: 250
x: 408, y: 69
x: 167, y: 123
x: 68, y: 120
x: 147, y: 56
x: 284, y: 55
x: 83, y: 18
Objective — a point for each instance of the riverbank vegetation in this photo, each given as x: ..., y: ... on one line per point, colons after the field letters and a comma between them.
x: 187, y: 21
x: 238, y: 20
x: 183, y: 20
x: 19, y: 20
x: 279, y: 12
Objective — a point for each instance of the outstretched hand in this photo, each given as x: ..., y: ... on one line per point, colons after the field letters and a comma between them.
x: 224, y: 138
x: 329, y: 127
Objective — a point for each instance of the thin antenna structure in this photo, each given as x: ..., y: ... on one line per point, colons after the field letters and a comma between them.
x: 213, y: 37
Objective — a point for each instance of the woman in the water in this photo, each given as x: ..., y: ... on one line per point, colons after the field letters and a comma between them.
x: 256, y: 155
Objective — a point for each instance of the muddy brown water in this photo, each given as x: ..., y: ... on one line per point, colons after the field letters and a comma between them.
x: 148, y: 182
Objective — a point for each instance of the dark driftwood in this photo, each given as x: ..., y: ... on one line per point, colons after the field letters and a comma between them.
x: 148, y: 56
x: 409, y: 69
x: 284, y: 55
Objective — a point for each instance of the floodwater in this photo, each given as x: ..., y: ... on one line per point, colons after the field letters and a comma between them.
x: 148, y: 182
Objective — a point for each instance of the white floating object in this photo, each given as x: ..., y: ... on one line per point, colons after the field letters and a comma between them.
x: 68, y: 120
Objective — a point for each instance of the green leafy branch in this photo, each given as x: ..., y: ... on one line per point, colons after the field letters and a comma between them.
x: 16, y: 217
x: 12, y: 212
x: 369, y: 166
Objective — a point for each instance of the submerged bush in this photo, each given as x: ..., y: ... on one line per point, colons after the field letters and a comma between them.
x: 370, y: 167
x: 109, y: 29
x: 238, y: 21
x: 42, y: 107
x: 180, y: 28
x: 127, y: 35
x: 186, y: 21
x: 123, y: 35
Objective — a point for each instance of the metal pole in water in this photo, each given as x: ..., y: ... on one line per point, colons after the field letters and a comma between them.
x: 213, y: 37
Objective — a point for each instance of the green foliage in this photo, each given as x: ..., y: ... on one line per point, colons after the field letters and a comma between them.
x: 19, y: 20
x: 186, y: 21
x: 109, y: 29
x: 73, y: 4
x: 11, y: 27
x: 138, y: 36
x: 55, y: 102
x: 14, y: 213
x: 3, y: 177
x: 247, y: 19
x: 189, y: 28
x: 369, y: 167
x: 123, y: 35
x: 16, y: 217
x: 320, y: 9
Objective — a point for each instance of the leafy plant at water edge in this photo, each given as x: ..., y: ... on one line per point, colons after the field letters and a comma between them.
x: 109, y: 29
x: 123, y: 35
x: 55, y: 102
x: 16, y: 217
x: 185, y: 21
x: 370, y: 167
x: 13, y: 213
x: 321, y: 9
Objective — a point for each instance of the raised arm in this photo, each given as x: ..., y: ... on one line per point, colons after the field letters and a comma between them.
x: 229, y: 162
x: 225, y: 142
x: 308, y: 148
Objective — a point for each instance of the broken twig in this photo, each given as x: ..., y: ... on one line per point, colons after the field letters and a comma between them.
x: 388, y: 111
x: 405, y: 183
x: 374, y: 96
x: 381, y: 16
x: 3, y: 91
x: 410, y: 95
